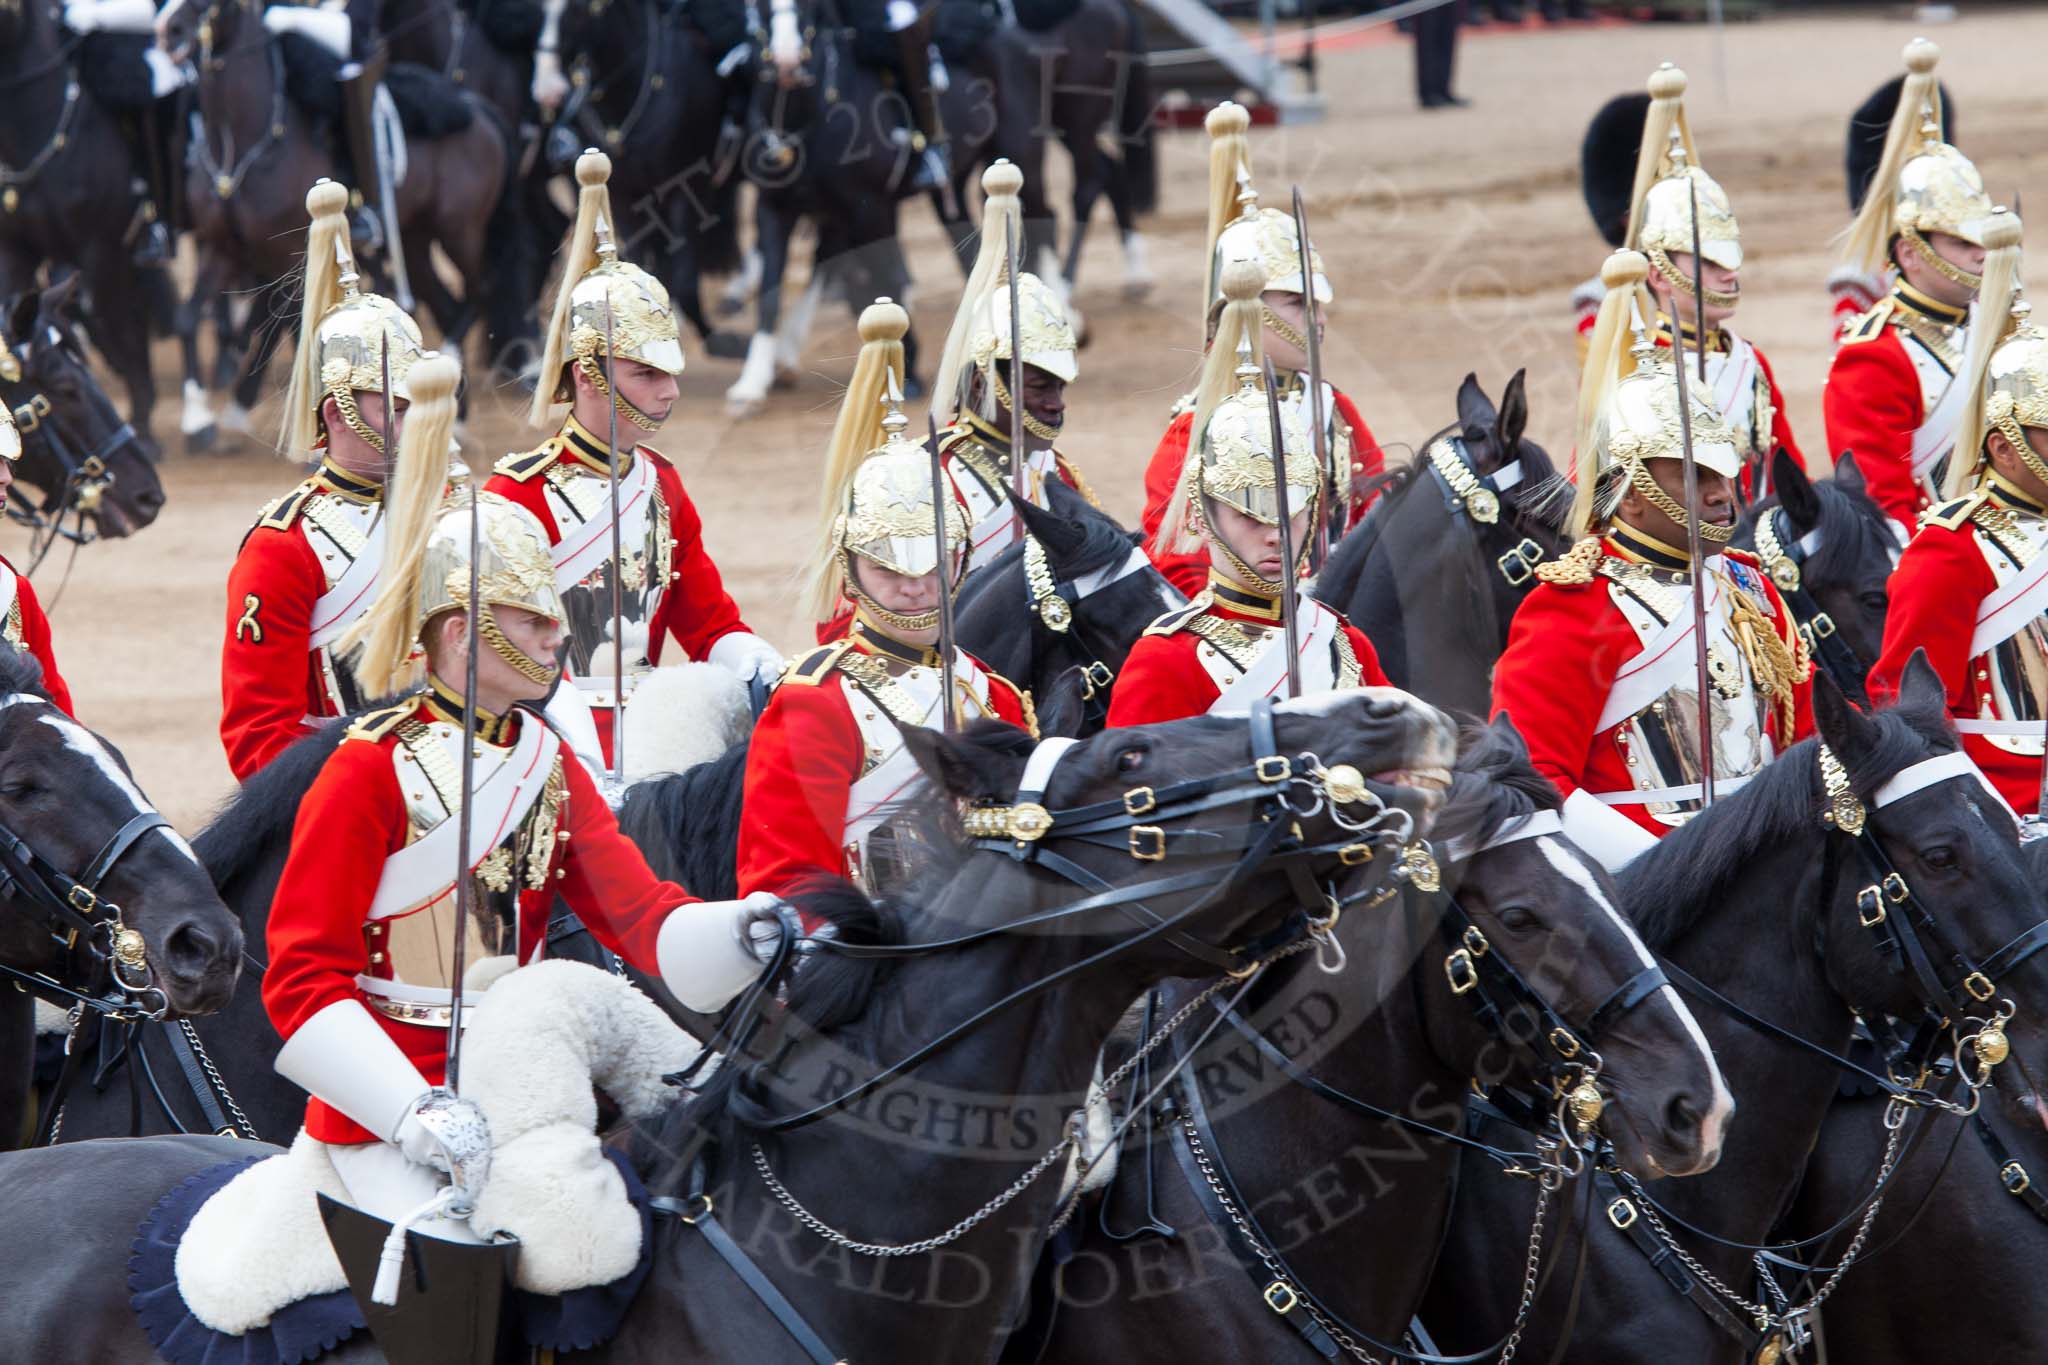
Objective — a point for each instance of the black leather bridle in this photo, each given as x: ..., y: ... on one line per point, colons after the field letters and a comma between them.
x: 1518, y: 564
x: 106, y: 969
x: 85, y: 476
x: 1784, y: 557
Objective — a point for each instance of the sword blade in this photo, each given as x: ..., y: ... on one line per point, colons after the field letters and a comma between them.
x: 949, y: 708
x: 618, y: 566
x: 1289, y: 622
x: 1694, y: 551
x: 1012, y: 252
x: 1325, y: 536
x: 465, y: 884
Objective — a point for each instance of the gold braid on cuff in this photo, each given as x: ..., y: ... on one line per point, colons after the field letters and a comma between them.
x: 1639, y: 478
x: 594, y: 372
x: 1031, y: 424
x: 530, y: 668
x: 1941, y: 264
x: 1680, y: 281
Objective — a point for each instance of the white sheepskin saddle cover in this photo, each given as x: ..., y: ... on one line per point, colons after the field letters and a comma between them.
x: 680, y: 715
x: 543, y: 1038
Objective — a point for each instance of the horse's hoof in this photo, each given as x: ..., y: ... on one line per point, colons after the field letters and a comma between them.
x: 729, y: 307
x: 1137, y: 290
x: 786, y: 378
x: 726, y: 345
x: 743, y: 405
x: 202, y: 441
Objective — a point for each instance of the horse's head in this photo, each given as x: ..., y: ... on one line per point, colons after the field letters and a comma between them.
x: 1198, y: 832
x: 1531, y: 497
x: 1532, y: 932
x: 211, y: 26
x: 75, y: 447
x: 1931, y: 906
x: 76, y: 832
x: 1830, y: 549
x: 1089, y: 592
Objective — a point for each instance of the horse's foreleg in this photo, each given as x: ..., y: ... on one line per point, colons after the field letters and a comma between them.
x: 772, y: 231
x: 740, y: 286
x: 120, y: 332
x: 195, y: 420
x: 267, y: 326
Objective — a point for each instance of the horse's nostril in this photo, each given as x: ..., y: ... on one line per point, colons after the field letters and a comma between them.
x: 1384, y: 708
x: 191, y: 950
x: 1684, y: 1116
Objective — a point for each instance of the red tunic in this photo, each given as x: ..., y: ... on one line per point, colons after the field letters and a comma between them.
x: 1873, y: 405
x: 1756, y: 463
x: 1566, y: 644
x: 1163, y: 679
x: 1189, y: 572
x: 28, y: 630
x: 1935, y: 590
x: 696, y: 608
x: 805, y: 756
x: 271, y: 677
x: 353, y: 818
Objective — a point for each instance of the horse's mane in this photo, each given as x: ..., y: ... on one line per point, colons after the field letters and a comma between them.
x: 829, y: 992
x: 257, y: 819
x: 1691, y: 868
x: 702, y: 800
x: 1857, y: 528
x: 1493, y: 785
x: 22, y: 672
x: 1078, y: 535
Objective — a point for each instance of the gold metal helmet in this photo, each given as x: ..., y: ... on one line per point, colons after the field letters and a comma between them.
x: 1236, y: 452
x: 514, y: 569
x: 595, y: 286
x: 1637, y: 422
x: 343, y: 334
x: 1922, y: 185
x: 888, y: 512
x: 10, y: 436
x: 1239, y: 230
x: 1043, y: 328
x: 1668, y: 172
x: 2017, y: 386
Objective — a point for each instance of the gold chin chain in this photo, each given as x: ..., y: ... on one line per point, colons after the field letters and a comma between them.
x: 345, y: 400
x: 1251, y: 579
x: 2024, y: 448
x: 1639, y: 477
x: 1678, y: 280
x: 530, y: 668
x: 1031, y: 424
x: 1941, y: 264
x: 924, y: 620
x: 594, y: 372
x: 1281, y: 329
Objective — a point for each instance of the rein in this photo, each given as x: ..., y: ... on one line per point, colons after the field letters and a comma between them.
x: 654, y: 49
x: 1784, y: 558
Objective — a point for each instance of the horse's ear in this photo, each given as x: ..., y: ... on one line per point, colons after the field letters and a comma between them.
x: 58, y: 304
x: 1061, y: 536
x: 960, y: 768
x: 20, y: 314
x: 1849, y: 474
x: 1836, y: 720
x: 1513, y: 419
x: 1062, y: 711
x: 1475, y: 410
x: 1921, y: 694
x: 1795, y: 490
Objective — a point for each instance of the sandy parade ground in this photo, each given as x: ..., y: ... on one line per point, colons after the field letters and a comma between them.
x: 1453, y: 240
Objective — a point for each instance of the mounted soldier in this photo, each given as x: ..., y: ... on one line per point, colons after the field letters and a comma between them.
x: 1240, y: 230
x: 307, y: 570
x: 1664, y: 170
x: 1853, y: 289
x: 978, y: 385
x: 612, y: 355
x: 121, y: 64
x: 827, y: 766
x: 1601, y: 672
x: 1241, y: 638
x: 1972, y: 587
x: 360, y: 978
x: 1891, y: 394
x: 22, y: 622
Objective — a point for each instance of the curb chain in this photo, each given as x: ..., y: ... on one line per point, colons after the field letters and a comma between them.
x: 220, y: 1086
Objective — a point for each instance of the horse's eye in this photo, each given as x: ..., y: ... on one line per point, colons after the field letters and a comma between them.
x: 1520, y: 919
x: 1130, y: 760
x: 1875, y: 602
x: 1941, y: 858
x: 20, y: 789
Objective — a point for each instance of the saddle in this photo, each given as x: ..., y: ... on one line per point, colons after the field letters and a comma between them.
x: 236, y: 1263
x: 429, y: 104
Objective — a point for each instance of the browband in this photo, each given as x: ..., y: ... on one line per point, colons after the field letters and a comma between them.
x: 1531, y: 826
x: 1928, y: 771
x: 1038, y: 770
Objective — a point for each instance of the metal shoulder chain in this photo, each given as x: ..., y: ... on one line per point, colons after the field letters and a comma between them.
x: 1023, y: 1182
x: 872, y: 676
x: 1231, y: 640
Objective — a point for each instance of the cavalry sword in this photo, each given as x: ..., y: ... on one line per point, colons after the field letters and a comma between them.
x: 465, y: 882
x: 618, y: 571
x: 1013, y: 263
x: 1694, y: 551
x: 949, y: 709
x: 1289, y: 621
x: 1319, y: 536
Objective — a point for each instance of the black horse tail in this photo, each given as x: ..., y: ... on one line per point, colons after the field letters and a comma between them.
x: 688, y: 825
x: 510, y: 245
x: 1134, y: 127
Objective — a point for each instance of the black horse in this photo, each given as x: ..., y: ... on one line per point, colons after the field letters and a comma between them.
x: 1010, y: 1013
x: 1831, y: 549
x: 1095, y: 597
x: 86, y: 854
x: 69, y: 202
x: 1961, y: 1212
x: 1432, y: 577
x: 91, y: 467
x: 649, y: 95
x: 1776, y: 913
x: 1350, y: 1185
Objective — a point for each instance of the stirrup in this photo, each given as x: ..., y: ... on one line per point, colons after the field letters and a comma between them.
x: 928, y: 170
x: 152, y: 245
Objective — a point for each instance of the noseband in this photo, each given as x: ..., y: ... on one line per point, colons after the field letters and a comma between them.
x: 1784, y: 558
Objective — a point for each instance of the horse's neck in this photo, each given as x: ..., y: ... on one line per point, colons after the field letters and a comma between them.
x: 238, y: 88
x: 28, y: 45
x: 624, y: 50
x: 1756, y: 946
